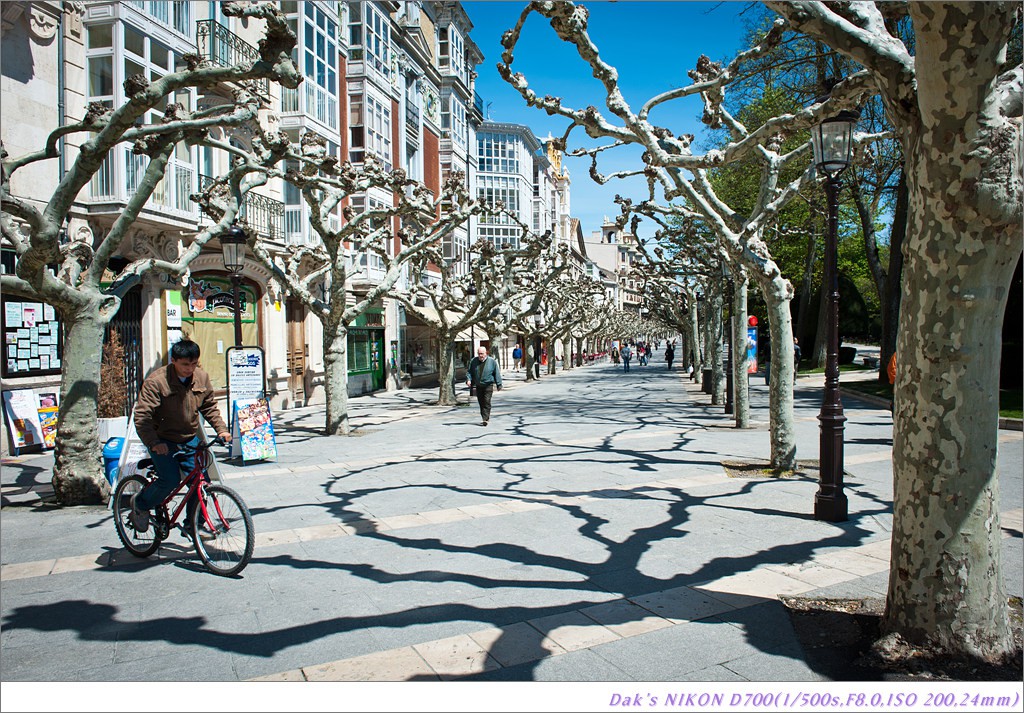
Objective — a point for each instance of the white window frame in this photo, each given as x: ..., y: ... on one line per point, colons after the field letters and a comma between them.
x: 377, y: 127
x: 377, y: 41
x: 118, y: 177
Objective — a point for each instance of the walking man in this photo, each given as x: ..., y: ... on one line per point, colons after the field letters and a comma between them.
x: 167, y: 421
x: 670, y: 354
x: 517, y: 357
x: 626, y: 355
x: 483, y: 373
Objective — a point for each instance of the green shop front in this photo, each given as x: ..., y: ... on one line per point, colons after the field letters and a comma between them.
x: 366, y: 353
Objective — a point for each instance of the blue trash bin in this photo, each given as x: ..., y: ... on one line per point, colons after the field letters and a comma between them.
x: 111, y: 455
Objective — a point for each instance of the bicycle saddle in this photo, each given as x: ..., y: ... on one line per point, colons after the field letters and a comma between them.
x: 145, y: 463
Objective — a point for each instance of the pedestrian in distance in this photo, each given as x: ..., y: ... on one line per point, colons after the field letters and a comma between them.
x: 485, y: 376
x: 517, y: 357
x: 167, y: 421
x: 626, y: 355
x: 670, y: 354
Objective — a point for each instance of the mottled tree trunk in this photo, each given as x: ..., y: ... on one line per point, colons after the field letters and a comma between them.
x: 715, y: 353
x: 335, y: 341
x: 694, y: 333
x: 781, y: 419
x: 945, y: 586
x: 957, y: 116
x: 78, y: 477
x: 529, y: 356
x: 446, y: 371
x: 741, y: 398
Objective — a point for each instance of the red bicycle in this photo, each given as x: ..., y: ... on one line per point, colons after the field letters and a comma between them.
x: 221, y: 527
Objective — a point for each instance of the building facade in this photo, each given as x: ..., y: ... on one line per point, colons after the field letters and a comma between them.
x: 391, y: 80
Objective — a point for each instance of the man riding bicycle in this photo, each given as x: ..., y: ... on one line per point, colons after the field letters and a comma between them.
x: 167, y: 421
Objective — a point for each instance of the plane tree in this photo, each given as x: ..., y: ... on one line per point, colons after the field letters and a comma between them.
x: 439, y: 295
x: 320, y: 274
x: 153, y: 121
x: 956, y: 101
x: 676, y: 172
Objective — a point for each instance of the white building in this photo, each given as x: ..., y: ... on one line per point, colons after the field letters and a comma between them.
x: 614, y: 250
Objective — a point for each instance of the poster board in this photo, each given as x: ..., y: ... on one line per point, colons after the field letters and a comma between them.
x: 21, y: 411
x: 49, y: 412
x: 254, y: 430
x: 246, y: 369
x: 32, y: 339
x: 751, y: 350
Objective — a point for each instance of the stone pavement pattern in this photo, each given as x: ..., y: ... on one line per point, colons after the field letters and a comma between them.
x: 589, y: 533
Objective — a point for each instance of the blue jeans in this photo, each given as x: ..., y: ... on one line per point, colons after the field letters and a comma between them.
x: 168, y: 473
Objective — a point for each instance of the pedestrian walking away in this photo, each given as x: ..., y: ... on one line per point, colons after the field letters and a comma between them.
x: 670, y: 354
x: 517, y: 357
x: 626, y: 355
x: 167, y: 421
x: 485, y: 376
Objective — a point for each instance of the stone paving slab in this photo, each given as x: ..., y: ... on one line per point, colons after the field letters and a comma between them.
x: 562, y: 542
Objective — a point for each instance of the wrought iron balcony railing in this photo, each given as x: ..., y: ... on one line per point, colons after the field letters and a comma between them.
x: 264, y: 215
x: 224, y: 48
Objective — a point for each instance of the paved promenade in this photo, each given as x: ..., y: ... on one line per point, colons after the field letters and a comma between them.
x: 589, y: 533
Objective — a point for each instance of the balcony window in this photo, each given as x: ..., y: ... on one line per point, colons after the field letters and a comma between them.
x: 317, y: 56
x: 376, y: 128
x: 451, y: 52
x: 378, y: 42
x: 453, y: 120
x: 499, y: 188
x: 497, y: 153
x: 173, y: 13
x: 115, y: 52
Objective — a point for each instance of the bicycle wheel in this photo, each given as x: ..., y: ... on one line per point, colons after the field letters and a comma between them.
x: 227, y: 549
x: 140, y: 544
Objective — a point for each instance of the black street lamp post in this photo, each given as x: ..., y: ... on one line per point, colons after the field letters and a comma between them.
x: 232, y: 245
x: 833, y: 142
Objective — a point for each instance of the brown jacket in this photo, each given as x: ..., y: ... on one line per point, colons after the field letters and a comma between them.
x: 169, y: 410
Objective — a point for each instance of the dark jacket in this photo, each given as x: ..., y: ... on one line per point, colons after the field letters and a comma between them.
x: 482, y: 373
x: 169, y: 410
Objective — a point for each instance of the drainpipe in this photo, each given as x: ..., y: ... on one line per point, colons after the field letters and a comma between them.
x: 60, y: 93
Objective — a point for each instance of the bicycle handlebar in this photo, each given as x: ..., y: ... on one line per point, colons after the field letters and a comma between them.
x: 217, y: 441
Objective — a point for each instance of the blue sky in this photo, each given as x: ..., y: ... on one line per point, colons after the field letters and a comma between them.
x: 651, y: 44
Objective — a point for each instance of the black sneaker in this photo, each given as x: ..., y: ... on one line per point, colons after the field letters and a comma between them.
x: 139, y: 518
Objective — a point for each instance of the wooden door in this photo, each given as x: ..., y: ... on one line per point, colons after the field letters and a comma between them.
x: 297, y: 349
